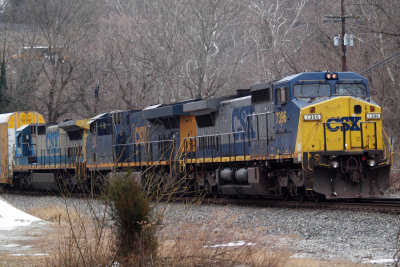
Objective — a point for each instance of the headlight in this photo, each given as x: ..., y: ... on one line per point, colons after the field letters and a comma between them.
x: 335, y: 164
x: 371, y: 162
x: 373, y: 116
x: 312, y: 117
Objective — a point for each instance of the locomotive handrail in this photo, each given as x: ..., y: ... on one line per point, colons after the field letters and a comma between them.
x: 362, y: 135
x: 345, y: 124
x: 343, y: 130
x: 53, y: 156
x: 202, y: 147
x: 148, y: 146
x: 308, y: 151
x: 390, y: 145
x: 258, y: 132
x: 325, y: 145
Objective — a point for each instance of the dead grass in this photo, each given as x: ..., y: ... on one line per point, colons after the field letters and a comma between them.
x: 80, y: 240
x: 219, y: 242
x: 306, y: 262
x: 56, y: 214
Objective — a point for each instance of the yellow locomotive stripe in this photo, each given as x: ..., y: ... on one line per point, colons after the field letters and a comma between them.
x: 130, y: 164
x: 42, y: 167
x: 241, y: 158
x: 196, y: 161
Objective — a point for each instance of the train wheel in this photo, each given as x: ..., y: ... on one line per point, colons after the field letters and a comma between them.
x: 292, y: 189
x: 99, y: 183
x: 319, y: 197
x: 26, y: 182
x: 214, y: 192
x: 285, y: 193
x: 301, y: 194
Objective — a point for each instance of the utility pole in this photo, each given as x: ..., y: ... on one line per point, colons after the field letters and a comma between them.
x: 344, y: 38
x: 343, y: 17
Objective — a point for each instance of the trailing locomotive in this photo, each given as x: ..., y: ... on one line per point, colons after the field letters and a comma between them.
x: 313, y: 134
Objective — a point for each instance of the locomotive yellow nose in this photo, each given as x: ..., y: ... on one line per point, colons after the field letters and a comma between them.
x: 342, y: 123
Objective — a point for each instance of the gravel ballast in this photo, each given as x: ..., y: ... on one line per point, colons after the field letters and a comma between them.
x: 321, y: 234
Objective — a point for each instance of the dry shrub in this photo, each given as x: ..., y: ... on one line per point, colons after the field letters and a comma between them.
x: 84, y: 237
x: 133, y: 224
x: 92, y: 240
x: 218, y: 242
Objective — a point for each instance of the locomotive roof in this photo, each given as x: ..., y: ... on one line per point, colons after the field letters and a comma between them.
x: 152, y: 106
x: 310, y: 76
x: 96, y: 117
x: 22, y: 127
x: 162, y: 111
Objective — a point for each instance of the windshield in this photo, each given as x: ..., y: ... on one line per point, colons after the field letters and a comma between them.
x: 312, y: 90
x: 353, y: 89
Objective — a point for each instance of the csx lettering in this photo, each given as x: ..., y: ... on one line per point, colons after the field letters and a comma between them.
x: 52, y: 139
x: 351, y: 123
x: 239, y: 116
x: 140, y: 134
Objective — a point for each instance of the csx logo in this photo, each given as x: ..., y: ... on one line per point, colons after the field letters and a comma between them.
x: 351, y: 123
x: 239, y: 122
x: 140, y: 134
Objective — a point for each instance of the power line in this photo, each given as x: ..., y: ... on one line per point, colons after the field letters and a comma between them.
x: 381, y: 63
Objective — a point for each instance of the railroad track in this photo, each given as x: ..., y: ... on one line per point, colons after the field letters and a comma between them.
x: 384, y: 205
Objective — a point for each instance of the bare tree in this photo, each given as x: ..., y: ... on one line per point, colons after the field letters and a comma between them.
x: 279, y: 29
x: 209, y: 61
x: 64, y: 28
x: 379, y: 36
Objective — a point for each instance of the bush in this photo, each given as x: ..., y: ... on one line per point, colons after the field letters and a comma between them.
x: 135, y: 231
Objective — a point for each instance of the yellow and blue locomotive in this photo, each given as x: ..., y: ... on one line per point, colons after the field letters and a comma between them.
x: 310, y: 134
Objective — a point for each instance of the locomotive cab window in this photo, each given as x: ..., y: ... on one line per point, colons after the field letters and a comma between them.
x: 41, y: 130
x: 311, y: 90
x: 352, y: 89
x: 117, y: 118
x: 19, y: 140
x: 93, y: 128
x: 281, y: 96
x: 33, y: 129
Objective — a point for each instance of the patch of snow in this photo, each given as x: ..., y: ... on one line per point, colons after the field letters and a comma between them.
x: 16, y: 246
x: 11, y: 217
x: 11, y: 245
x: 231, y: 244
x: 301, y: 255
x: 380, y: 261
x: 35, y: 254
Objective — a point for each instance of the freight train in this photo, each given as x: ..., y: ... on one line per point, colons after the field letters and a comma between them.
x: 316, y: 134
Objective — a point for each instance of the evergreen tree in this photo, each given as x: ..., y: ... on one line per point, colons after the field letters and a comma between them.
x: 3, y: 80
